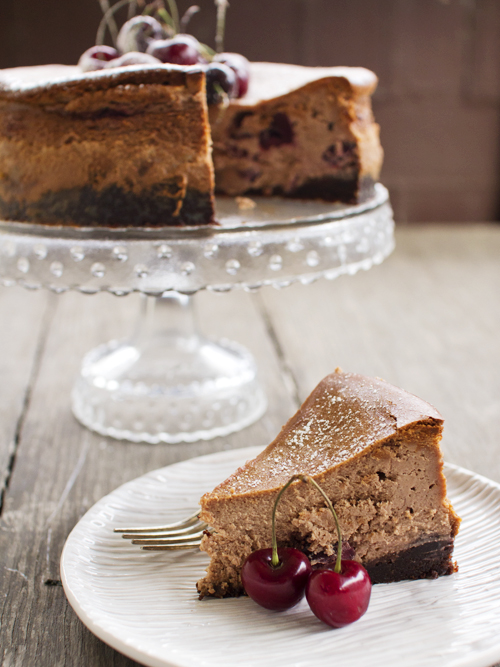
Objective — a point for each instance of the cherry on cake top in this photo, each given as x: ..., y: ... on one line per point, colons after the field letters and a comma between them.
x: 149, y: 40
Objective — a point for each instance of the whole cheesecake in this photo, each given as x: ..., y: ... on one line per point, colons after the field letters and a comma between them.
x: 374, y: 449
x: 132, y: 146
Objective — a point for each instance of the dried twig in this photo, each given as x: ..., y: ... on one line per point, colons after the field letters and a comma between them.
x: 222, y: 6
x: 110, y: 23
x: 187, y: 16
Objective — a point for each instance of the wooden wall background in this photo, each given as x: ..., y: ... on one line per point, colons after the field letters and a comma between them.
x: 438, y: 62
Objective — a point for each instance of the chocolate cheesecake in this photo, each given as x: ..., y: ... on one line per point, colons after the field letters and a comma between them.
x: 303, y: 132
x: 122, y: 147
x: 374, y: 449
x: 132, y: 146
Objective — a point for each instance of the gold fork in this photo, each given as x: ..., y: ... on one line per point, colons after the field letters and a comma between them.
x: 185, y: 534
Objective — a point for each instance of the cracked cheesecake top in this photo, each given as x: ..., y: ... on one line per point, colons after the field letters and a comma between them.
x: 346, y: 415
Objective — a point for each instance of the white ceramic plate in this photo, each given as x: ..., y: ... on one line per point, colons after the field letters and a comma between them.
x: 145, y: 605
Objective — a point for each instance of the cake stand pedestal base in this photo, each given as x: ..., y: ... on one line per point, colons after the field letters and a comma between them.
x: 168, y: 383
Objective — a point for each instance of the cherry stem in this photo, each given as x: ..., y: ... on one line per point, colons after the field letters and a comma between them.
x: 132, y: 9
x: 110, y: 23
x: 174, y: 13
x: 275, y: 561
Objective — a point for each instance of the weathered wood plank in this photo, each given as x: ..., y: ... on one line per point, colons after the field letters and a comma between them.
x: 22, y: 330
x: 63, y: 469
x: 427, y: 320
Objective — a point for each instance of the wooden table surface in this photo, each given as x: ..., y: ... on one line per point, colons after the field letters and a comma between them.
x: 428, y: 320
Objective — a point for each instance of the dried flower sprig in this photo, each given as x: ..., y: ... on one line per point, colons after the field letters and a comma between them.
x: 170, y: 19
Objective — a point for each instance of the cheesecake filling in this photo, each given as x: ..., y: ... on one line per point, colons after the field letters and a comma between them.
x: 391, y: 504
x: 320, y: 142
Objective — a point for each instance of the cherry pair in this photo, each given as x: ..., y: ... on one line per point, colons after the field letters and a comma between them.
x: 278, y: 578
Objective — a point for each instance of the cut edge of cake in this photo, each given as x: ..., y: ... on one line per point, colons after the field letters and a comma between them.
x: 299, y: 132
x: 114, y: 148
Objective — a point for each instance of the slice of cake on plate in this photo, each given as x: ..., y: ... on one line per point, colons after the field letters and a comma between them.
x: 374, y: 449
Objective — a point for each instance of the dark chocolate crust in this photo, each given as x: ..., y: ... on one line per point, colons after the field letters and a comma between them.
x: 424, y: 561
x: 429, y: 560
x: 327, y: 188
x: 332, y: 188
x: 114, y: 207
x: 229, y: 592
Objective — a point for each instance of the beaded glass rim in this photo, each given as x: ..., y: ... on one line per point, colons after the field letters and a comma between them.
x: 276, y: 242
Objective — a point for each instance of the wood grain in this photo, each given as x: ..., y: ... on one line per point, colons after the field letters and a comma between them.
x: 20, y: 349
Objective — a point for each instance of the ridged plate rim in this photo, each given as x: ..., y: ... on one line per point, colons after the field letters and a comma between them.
x: 120, y: 592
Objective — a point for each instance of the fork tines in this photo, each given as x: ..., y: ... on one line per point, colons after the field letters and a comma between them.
x: 185, y: 523
x: 184, y: 534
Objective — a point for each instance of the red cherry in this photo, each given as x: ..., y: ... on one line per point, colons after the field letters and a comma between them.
x: 279, y: 587
x: 97, y: 57
x: 240, y: 66
x: 339, y: 598
x: 137, y: 33
x: 180, y: 50
x: 219, y: 78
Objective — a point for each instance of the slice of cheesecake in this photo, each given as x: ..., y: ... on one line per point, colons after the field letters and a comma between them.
x: 374, y: 448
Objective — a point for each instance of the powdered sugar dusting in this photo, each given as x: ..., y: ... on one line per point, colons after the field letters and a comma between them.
x: 344, y: 415
x: 21, y: 79
x: 42, y: 77
x: 271, y: 80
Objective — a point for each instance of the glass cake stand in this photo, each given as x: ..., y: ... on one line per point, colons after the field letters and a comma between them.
x: 169, y: 383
